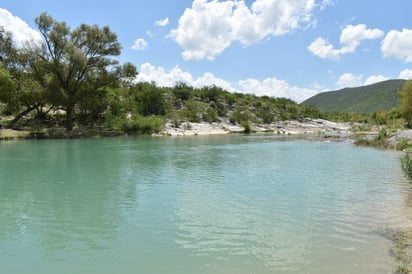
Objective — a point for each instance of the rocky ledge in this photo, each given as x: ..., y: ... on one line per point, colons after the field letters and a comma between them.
x: 309, y: 126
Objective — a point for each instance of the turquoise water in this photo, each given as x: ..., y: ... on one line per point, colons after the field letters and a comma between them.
x: 233, y: 204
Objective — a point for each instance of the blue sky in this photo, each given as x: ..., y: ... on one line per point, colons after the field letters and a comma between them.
x: 281, y: 48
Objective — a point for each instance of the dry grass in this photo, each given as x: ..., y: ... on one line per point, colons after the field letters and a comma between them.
x: 8, y: 134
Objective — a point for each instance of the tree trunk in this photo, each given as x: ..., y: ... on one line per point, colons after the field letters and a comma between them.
x: 13, y: 123
x: 69, y: 118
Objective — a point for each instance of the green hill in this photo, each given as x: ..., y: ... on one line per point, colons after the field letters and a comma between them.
x: 365, y: 99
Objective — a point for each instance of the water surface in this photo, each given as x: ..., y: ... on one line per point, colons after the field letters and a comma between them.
x: 232, y: 204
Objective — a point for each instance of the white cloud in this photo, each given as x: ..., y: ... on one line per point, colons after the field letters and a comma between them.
x: 276, y: 88
x: 398, y: 44
x: 162, y: 23
x: 163, y: 78
x: 22, y: 33
x: 208, y: 79
x: 406, y: 74
x: 326, y: 3
x: 323, y: 49
x: 270, y: 86
x: 140, y: 44
x: 349, y: 80
x: 150, y: 73
x: 375, y: 79
x: 350, y: 38
x: 209, y: 27
x: 352, y: 80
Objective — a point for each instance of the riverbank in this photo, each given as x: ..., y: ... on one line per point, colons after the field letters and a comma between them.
x: 314, y: 129
x: 290, y: 127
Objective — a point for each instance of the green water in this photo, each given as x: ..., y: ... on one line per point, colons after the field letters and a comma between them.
x: 237, y: 204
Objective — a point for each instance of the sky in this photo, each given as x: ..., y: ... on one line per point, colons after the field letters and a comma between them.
x: 281, y: 48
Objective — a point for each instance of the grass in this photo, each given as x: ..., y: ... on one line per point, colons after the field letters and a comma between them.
x: 401, y: 245
x: 10, y: 134
x: 406, y: 163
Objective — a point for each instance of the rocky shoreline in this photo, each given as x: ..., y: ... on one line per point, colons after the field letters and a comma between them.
x: 314, y: 129
x: 310, y: 126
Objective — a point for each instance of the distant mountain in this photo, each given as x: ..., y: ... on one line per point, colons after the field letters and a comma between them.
x: 371, y: 98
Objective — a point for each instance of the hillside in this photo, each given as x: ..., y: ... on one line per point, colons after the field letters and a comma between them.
x: 365, y: 99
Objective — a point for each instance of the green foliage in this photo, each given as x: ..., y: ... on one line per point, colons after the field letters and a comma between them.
x: 182, y: 91
x: 192, y: 111
x: 403, y: 144
x: 311, y: 111
x: 91, y: 108
x: 149, y: 99
x: 77, y: 63
x: 210, y: 93
x: 405, y: 103
x: 7, y: 89
x: 210, y: 115
x: 406, y: 163
x: 246, y: 126
x: 382, y: 135
x: 139, y: 125
x: 266, y: 115
x: 366, y: 99
x: 381, y: 140
x: 240, y: 115
x: 76, y: 73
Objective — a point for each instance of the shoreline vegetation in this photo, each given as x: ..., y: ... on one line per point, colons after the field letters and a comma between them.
x: 310, y: 128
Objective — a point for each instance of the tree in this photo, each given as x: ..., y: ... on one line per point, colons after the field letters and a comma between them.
x: 149, y: 99
x: 405, y: 103
x: 75, y: 65
x: 26, y: 94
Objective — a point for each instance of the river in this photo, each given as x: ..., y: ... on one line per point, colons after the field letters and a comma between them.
x: 225, y: 204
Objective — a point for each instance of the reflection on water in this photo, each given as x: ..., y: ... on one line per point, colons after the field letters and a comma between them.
x: 242, y: 204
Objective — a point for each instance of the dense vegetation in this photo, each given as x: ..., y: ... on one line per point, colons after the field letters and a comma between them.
x: 366, y: 99
x: 68, y: 71
x: 73, y: 81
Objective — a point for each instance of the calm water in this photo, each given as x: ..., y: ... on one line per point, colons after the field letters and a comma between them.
x: 239, y: 204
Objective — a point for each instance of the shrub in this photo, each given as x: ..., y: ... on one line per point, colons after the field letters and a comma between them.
x: 382, y: 135
x: 406, y: 162
x: 210, y: 115
x: 239, y: 116
x: 265, y: 115
x: 143, y: 125
x: 403, y: 144
x: 191, y: 111
x: 246, y: 126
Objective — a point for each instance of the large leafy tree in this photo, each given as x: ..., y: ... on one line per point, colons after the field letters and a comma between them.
x: 405, y: 103
x: 19, y: 90
x: 76, y: 65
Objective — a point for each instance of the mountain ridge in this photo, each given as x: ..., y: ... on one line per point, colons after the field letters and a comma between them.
x: 364, y: 99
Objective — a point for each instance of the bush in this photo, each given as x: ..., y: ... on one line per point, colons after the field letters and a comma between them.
x: 150, y: 100
x: 239, y: 116
x: 143, y: 125
x: 403, y: 144
x: 191, y: 111
x: 265, y: 115
x: 246, y: 126
x: 406, y: 162
x: 210, y: 115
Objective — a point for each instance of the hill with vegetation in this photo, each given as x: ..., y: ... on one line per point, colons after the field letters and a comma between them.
x: 74, y: 81
x: 144, y: 108
x: 365, y: 99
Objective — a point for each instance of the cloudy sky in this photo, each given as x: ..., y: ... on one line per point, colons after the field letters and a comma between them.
x: 281, y: 48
